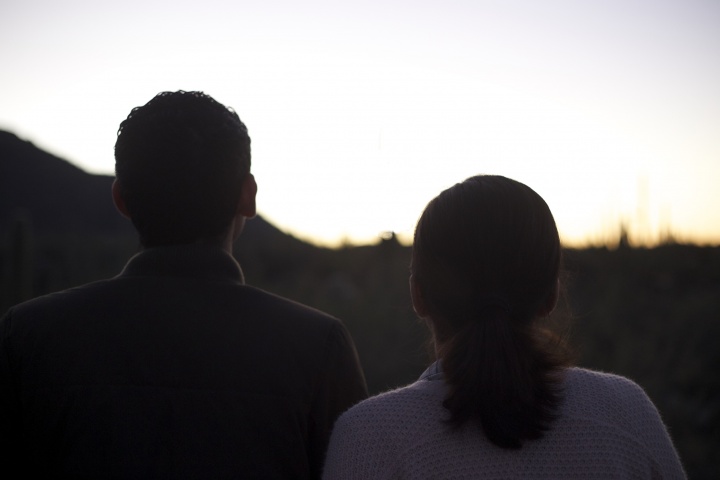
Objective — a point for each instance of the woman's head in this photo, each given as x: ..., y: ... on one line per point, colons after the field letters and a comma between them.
x: 486, y: 243
x: 485, y: 266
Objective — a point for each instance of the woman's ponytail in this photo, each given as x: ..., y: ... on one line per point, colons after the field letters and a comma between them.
x: 497, y: 377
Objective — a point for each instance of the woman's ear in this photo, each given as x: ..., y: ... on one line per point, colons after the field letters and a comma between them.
x: 118, y: 199
x: 547, y: 307
x: 417, y: 299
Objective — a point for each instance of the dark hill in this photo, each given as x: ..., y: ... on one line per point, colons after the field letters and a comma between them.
x: 60, y: 198
x: 57, y: 196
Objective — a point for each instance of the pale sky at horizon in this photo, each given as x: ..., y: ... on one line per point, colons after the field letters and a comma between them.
x: 360, y: 113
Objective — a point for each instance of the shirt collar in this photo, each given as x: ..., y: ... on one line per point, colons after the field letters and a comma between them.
x: 194, y: 260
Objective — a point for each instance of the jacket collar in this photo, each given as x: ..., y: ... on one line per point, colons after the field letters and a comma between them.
x: 194, y: 260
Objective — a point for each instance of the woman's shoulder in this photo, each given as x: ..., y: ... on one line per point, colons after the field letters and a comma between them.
x: 395, y: 417
x: 609, y: 399
x: 414, y: 400
x: 603, y: 387
x: 369, y: 438
x: 618, y: 410
x: 592, y: 379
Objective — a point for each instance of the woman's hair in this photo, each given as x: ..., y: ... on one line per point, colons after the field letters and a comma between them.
x: 486, y: 261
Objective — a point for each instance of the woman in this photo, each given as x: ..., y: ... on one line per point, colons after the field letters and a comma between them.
x: 502, y: 400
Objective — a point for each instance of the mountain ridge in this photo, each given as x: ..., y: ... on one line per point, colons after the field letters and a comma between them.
x: 58, y: 197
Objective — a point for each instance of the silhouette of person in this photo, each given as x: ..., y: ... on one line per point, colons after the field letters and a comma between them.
x: 175, y: 368
x: 503, y: 400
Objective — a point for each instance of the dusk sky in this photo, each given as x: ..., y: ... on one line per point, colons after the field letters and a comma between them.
x: 361, y: 112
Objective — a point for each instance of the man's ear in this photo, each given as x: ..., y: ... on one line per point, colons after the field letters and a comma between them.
x: 246, y: 203
x: 118, y: 200
x: 417, y: 299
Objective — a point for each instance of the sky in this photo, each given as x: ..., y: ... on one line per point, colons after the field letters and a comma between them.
x: 361, y: 112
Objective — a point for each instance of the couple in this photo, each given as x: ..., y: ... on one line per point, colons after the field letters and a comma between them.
x: 176, y: 369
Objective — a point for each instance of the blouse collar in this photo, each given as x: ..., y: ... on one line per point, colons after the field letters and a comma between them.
x: 433, y: 372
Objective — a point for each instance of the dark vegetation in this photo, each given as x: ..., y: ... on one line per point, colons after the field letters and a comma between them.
x: 650, y: 314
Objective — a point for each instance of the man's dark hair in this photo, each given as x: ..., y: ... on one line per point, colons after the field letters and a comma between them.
x: 180, y: 161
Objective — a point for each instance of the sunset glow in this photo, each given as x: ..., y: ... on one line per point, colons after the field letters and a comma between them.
x: 359, y: 114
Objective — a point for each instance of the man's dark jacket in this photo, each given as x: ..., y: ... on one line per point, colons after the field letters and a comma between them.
x: 173, y: 369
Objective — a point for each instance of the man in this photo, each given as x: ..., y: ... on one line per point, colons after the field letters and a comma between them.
x: 175, y: 368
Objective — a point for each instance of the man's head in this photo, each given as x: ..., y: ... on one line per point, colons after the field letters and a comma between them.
x: 182, y: 163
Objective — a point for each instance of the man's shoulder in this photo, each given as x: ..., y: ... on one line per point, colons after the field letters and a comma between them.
x: 274, y: 302
x: 292, y: 317
x: 51, y: 302
x: 139, y: 297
